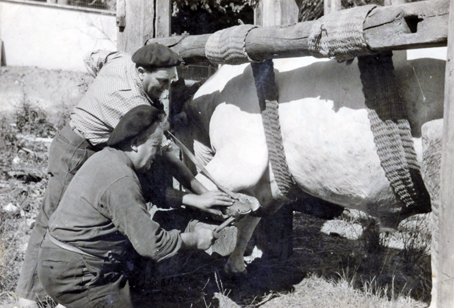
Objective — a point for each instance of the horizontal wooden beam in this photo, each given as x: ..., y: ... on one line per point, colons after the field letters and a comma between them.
x: 406, y: 26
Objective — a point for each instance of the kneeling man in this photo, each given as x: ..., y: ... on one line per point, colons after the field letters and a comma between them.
x: 102, y: 219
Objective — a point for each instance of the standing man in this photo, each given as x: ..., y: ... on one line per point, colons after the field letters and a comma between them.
x: 122, y: 82
x: 102, y: 220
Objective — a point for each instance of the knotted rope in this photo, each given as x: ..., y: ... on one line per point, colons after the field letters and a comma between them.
x: 340, y: 35
x: 267, y: 95
x: 391, y: 130
x: 228, y: 46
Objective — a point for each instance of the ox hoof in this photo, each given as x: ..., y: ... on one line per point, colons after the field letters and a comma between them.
x: 235, y: 270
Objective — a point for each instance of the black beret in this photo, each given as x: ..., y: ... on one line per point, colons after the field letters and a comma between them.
x: 133, y: 123
x: 156, y: 55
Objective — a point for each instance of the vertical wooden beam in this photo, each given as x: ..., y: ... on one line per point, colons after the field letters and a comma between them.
x: 331, y: 6
x: 445, y: 265
x: 140, y: 16
x: 163, y: 18
x: 276, y: 12
x: 121, y: 15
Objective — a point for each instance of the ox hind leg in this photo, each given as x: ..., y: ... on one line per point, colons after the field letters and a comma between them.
x: 246, y: 227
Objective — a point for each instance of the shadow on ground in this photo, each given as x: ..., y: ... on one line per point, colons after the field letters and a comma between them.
x: 191, y: 279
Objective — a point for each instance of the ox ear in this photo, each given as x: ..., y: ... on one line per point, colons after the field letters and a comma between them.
x: 180, y: 93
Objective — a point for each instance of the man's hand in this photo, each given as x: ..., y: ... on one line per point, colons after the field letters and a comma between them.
x: 201, y: 238
x: 208, y: 201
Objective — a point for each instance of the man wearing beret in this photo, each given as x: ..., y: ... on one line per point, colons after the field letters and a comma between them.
x: 102, y: 219
x: 122, y: 83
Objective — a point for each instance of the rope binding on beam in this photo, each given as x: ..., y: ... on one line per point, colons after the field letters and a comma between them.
x: 340, y: 35
x: 228, y: 46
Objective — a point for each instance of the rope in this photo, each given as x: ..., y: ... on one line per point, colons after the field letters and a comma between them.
x: 267, y: 94
x: 391, y: 130
x: 228, y: 46
x: 340, y: 35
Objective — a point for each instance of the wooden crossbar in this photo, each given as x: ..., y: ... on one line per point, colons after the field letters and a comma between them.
x: 406, y: 26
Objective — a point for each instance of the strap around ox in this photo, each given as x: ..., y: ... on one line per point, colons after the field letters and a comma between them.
x: 391, y: 130
x: 340, y: 35
x: 267, y: 94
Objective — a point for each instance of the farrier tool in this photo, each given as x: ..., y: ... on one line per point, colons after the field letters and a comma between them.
x: 243, y: 204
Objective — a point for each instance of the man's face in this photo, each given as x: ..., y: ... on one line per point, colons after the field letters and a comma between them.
x: 156, y: 82
x: 148, y: 151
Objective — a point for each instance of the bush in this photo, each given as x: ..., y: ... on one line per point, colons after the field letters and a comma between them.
x: 30, y: 119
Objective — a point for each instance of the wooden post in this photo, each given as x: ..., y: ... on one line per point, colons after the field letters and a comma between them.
x: 331, y: 6
x: 163, y: 18
x: 139, y: 25
x: 121, y: 15
x: 276, y: 12
x: 444, y: 280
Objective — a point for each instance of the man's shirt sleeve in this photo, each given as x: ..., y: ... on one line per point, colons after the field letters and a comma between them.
x: 96, y: 59
x: 124, y: 203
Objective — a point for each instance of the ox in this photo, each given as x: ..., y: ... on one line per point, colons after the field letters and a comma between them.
x: 325, y: 128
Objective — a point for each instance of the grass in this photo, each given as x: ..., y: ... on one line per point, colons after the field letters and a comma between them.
x: 22, y: 185
x: 375, y: 270
x: 318, y: 292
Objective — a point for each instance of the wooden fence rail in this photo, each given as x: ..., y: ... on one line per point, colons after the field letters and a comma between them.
x: 406, y: 26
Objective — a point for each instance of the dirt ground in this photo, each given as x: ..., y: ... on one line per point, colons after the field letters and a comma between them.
x: 344, y: 256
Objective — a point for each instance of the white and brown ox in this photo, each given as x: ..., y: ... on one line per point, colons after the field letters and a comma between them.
x: 325, y: 128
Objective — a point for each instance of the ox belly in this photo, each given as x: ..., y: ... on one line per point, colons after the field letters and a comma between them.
x: 326, y: 131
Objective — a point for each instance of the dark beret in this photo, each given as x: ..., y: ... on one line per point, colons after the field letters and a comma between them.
x: 156, y: 55
x: 133, y: 123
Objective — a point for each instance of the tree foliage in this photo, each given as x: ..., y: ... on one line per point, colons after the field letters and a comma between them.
x: 210, y: 5
x: 208, y: 16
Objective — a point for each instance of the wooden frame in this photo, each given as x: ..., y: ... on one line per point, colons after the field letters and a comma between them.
x: 396, y: 27
x: 443, y: 274
x: 406, y: 26
x: 140, y: 20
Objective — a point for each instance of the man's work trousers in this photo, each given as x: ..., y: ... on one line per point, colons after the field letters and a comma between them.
x: 78, y: 281
x: 67, y: 153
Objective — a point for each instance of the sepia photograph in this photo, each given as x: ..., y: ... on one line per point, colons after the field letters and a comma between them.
x: 226, y: 154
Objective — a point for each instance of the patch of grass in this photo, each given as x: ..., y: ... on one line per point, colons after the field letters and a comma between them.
x: 22, y: 185
x: 30, y: 119
x: 396, y: 262
x: 15, y: 228
x: 318, y: 292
